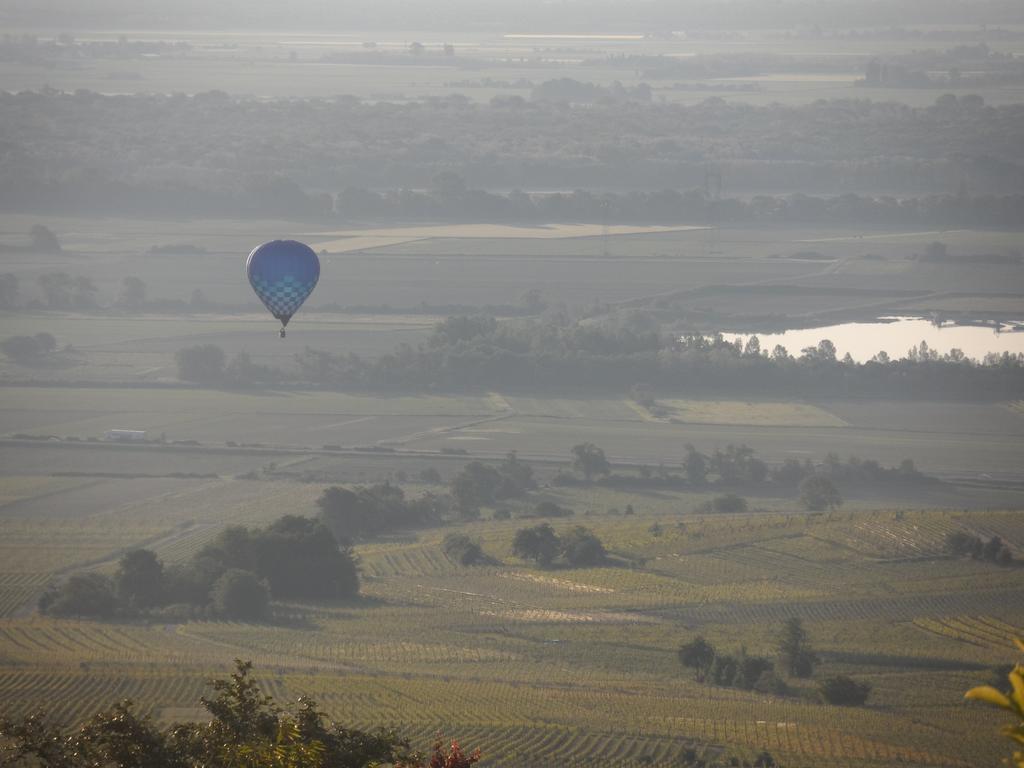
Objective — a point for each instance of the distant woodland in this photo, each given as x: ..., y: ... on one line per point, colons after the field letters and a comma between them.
x: 213, y: 154
x: 469, y: 353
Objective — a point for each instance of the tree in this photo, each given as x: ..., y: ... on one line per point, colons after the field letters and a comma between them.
x: 246, y: 729
x: 723, y: 670
x: 582, y: 549
x: 43, y: 240
x: 139, y: 581
x: 738, y: 465
x: 750, y: 670
x: 1011, y: 699
x: 476, y: 485
x: 590, y: 460
x: 698, y: 655
x: 695, y: 465
x: 430, y: 476
x: 817, y: 493
x: 517, y: 477
x: 728, y: 503
x: 240, y: 595
x: 344, y: 512
x: 83, y: 594
x: 539, y: 543
x: 203, y: 364
x: 844, y: 691
x: 462, y: 549
x: 25, y: 348
x: 8, y: 290
x: 300, y: 558
x: 46, y: 343
x: 84, y: 293
x: 133, y: 293
x: 297, y: 556
x: 56, y: 288
x: 548, y: 508
x: 795, y: 654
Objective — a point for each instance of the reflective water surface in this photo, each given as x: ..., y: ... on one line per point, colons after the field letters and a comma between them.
x: 895, y: 336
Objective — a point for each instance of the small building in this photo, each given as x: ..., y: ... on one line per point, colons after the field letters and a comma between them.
x: 125, y: 435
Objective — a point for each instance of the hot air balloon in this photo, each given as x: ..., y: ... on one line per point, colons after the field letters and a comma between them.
x: 283, y: 273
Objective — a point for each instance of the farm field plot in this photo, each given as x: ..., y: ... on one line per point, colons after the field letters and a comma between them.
x: 87, y: 459
x: 58, y: 528
x: 219, y: 415
x: 580, y: 664
x: 962, y: 418
x: 432, y: 271
x: 142, y: 348
x: 439, y: 270
x: 750, y: 413
x: 401, y: 235
x: 654, y: 443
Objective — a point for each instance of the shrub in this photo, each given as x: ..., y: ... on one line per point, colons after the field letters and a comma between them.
x: 19, y: 348
x: 240, y: 595
x: 83, y: 594
x: 430, y: 476
x: 551, y: 509
x: 581, y: 548
x: 818, y: 493
x: 539, y: 543
x: 462, y: 549
x: 844, y: 691
x: 203, y: 364
x: 728, y: 503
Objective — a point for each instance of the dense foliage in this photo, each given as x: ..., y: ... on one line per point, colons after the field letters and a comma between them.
x: 728, y: 670
x: 1012, y: 700
x: 234, y: 576
x: 555, y: 352
x: 844, y: 691
x: 479, y: 484
x: 22, y: 348
x: 462, y: 549
x: 246, y: 728
x: 578, y: 547
x: 963, y: 544
x: 352, y: 514
x: 179, y: 166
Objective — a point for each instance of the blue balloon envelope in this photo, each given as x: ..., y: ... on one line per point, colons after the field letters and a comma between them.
x: 283, y: 273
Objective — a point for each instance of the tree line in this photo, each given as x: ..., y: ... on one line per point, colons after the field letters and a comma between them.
x: 993, y: 550
x: 794, y: 658
x: 351, y: 147
x: 470, y: 353
x: 234, y: 576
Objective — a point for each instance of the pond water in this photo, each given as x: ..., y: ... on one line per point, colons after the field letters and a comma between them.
x: 896, y: 336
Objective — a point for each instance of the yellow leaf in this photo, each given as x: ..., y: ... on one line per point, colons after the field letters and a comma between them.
x: 989, y: 694
x: 1017, y: 681
x: 1019, y: 643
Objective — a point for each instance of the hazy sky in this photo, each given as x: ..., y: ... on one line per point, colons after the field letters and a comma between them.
x: 539, y: 15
